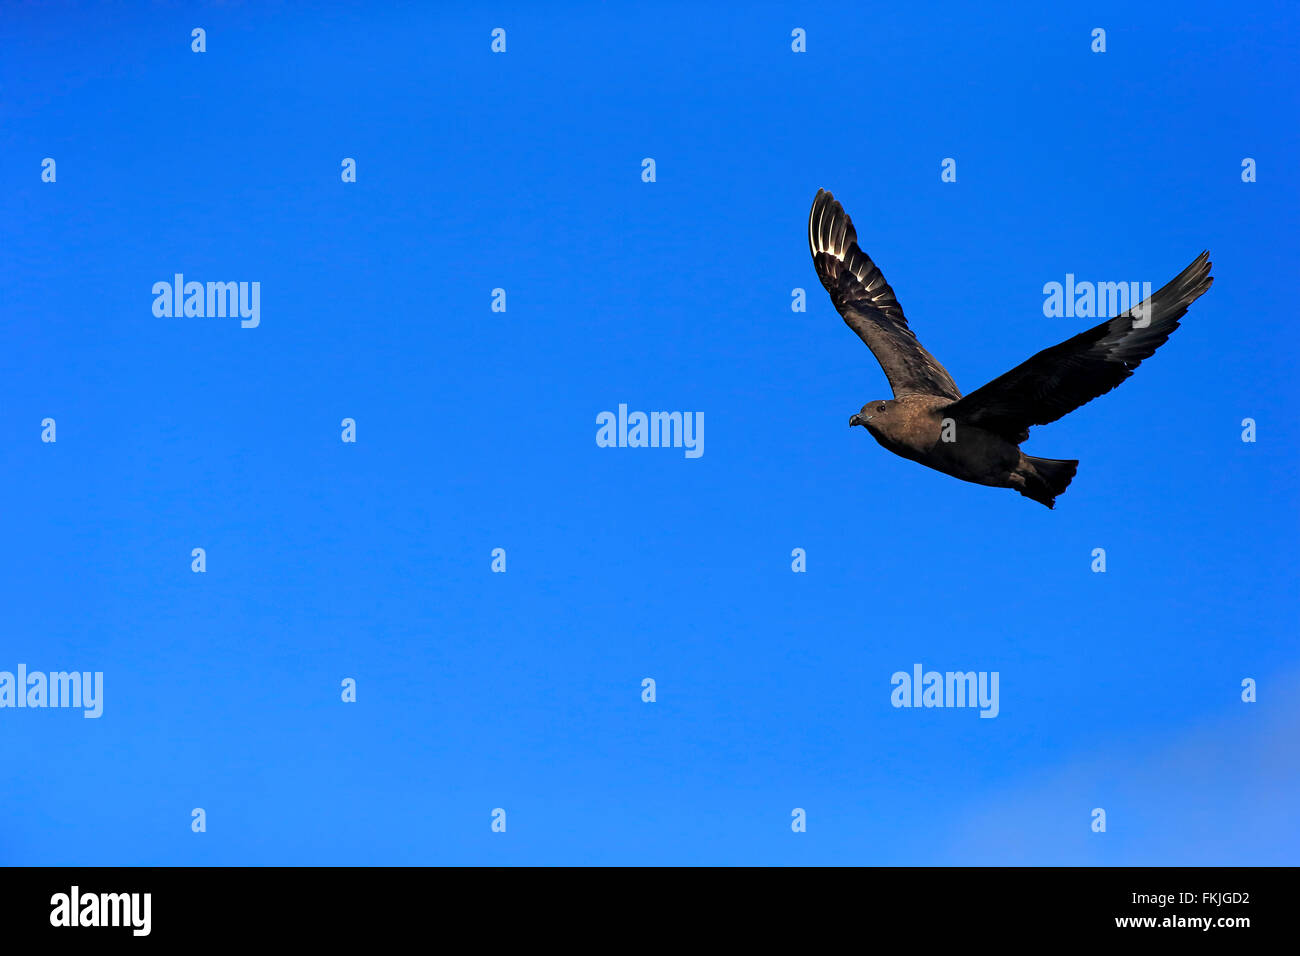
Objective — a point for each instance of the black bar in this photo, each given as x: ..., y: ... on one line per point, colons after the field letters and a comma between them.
x: 334, y: 906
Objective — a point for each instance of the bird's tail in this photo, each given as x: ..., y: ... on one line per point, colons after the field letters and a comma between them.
x: 1046, y: 478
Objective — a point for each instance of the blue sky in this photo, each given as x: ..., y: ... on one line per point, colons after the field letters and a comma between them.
x: 476, y: 430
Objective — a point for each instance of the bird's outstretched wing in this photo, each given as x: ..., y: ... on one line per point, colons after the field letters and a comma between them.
x: 1058, y: 380
x: 865, y: 300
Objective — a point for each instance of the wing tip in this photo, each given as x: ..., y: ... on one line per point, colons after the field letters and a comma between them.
x: 1173, y: 298
x: 830, y: 230
x: 1197, y: 276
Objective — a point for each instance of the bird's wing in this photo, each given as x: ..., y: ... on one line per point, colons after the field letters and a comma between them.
x: 1058, y: 380
x: 865, y: 300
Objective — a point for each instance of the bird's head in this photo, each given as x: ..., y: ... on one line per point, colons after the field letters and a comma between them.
x: 873, y: 415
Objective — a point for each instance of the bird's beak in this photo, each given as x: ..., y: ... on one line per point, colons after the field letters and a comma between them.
x: 859, y: 420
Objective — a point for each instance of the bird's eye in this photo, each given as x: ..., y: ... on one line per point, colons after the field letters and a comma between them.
x: 881, y: 408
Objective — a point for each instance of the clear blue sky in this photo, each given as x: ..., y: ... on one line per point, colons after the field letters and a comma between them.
x: 476, y: 430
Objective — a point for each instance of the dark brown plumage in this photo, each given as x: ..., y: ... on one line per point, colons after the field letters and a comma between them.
x: 977, y: 437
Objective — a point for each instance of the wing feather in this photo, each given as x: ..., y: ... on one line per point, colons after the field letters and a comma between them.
x: 867, y: 303
x: 1058, y: 380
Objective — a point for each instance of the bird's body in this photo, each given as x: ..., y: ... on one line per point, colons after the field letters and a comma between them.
x: 977, y: 437
x: 913, y: 427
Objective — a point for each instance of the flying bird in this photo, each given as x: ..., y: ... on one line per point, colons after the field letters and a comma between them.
x: 977, y: 437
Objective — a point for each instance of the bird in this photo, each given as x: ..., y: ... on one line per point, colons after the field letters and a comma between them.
x: 977, y: 437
